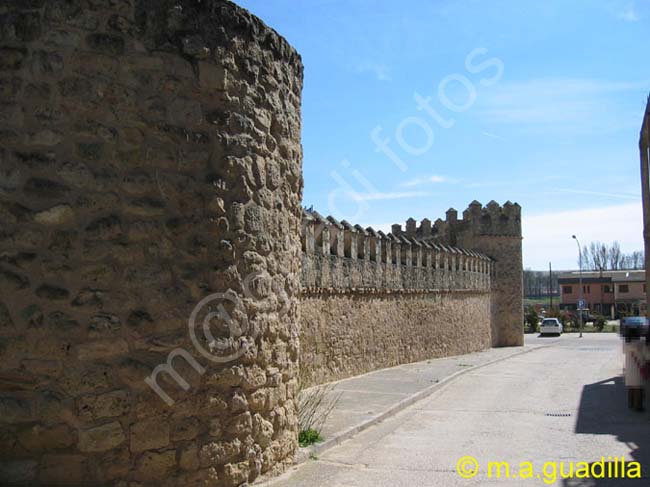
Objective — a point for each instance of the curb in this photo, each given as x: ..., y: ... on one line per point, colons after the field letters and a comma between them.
x: 303, y: 454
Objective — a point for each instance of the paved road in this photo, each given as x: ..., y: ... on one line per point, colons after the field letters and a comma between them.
x: 501, y: 412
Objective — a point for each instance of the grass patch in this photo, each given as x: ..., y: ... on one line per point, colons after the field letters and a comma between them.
x: 591, y: 329
x: 309, y: 437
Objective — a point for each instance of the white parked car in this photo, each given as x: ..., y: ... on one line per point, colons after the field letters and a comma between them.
x: 550, y: 326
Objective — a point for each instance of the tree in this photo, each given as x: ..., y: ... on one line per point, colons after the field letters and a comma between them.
x: 595, y: 257
x: 536, y: 284
x: 532, y: 319
x: 599, y: 321
x: 598, y: 256
x: 584, y: 261
x: 615, y: 256
x: 637, y: 260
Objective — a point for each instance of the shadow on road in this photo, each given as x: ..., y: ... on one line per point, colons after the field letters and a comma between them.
x: 603, y: 411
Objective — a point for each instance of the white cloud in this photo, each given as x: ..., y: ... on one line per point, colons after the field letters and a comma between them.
x: 387, y: 196
x: 381, y: 71
x: 547, y: 237
x: 433, y: 179
x: 555, y: 102
x: 629, y: 13
x: 625, y: 196
x: 493, y: 136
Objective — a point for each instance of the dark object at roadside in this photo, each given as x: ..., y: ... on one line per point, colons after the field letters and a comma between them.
x: 634, y: 327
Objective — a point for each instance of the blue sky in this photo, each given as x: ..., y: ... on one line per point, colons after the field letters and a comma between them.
x: 534, y: 102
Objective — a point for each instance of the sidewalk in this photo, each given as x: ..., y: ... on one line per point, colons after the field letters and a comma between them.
x: 370, y: 398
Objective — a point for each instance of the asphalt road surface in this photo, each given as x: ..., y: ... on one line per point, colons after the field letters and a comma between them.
x: 561, y: 404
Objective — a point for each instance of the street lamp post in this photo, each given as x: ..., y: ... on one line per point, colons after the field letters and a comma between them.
x: 580, y: 278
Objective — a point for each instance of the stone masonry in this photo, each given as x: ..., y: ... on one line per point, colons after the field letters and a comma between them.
x: 150, y: 156
x: 372, y: 300
x: 495, y: 231
x: 155, y: 260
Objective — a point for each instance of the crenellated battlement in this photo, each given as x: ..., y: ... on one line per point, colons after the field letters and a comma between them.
x: 341, y: 256
x: 491, y: 219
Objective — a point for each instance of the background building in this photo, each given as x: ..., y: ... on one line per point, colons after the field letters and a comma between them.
x: 611, y: 293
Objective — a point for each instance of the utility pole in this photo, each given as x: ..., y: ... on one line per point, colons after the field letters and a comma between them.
x: 550, y: 284
x: 580, y: 300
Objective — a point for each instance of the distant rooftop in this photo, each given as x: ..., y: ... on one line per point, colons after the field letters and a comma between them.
x: 614, y: 276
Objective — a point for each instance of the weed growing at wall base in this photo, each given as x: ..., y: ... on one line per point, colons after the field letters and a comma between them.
x: 309, y: 437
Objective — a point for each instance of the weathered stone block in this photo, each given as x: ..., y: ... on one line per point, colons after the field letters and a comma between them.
x: 19, y: 472
x: 90, y: 151
x: 44, y: 188
x: 149, y: 435
x: 103, y: 324
x: 10, y: 177
x: 212, y: 76
x: 189, y: 458
x: 12, y: 281
x: 101, y: 438
x: 45, y: 138
x: 184, y: 429
x: 38, y: 438
x: 102, y: 349
x: 92, y: 378
x: 45, y: 368
x: 50, y: 292
x: 12, y: 58
x: 262, y: 430
x: 235, y: 473
x: 57, y: 215
x: 15, y: 410
x: 215, y: 428
x: 153, y: 466
x: 63, y: 469
x: 219, y: 453
x: 89, y: 297
x: 106, y: 43
x: 46, y: 63
x: 111, y: 404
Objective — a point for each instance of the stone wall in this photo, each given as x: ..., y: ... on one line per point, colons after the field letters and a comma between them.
x: 350, y: 333
x: 372, y: 300
x: 150, y: 157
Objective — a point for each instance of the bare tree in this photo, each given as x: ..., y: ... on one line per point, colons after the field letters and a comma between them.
x: 599, y: 256
x: 637, y: 260
x: 586, y: 259
x: 615, y: 256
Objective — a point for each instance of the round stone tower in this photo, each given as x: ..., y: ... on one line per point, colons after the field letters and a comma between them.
x: 150, y: 187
